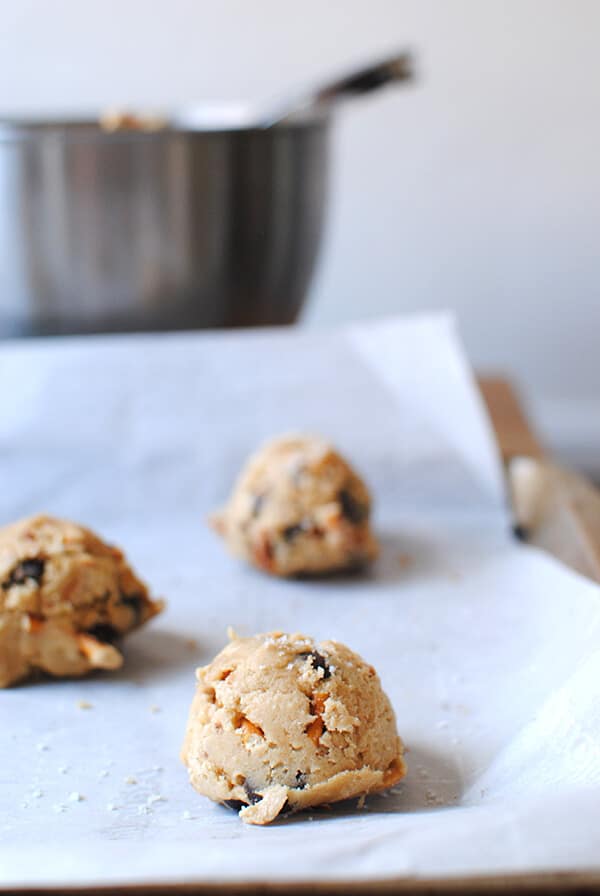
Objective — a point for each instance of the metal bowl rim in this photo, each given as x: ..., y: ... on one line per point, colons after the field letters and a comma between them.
x: 88, y: 128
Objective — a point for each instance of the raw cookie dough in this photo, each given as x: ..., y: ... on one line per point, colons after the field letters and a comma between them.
x: 65, y: 596
x: 279, y: 723
x: 299, y: 508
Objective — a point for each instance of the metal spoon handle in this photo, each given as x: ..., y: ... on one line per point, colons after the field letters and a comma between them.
x: 396, y: 68
x: 372, y: 77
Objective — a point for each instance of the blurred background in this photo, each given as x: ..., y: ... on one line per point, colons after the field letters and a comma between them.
x: 476, y: 189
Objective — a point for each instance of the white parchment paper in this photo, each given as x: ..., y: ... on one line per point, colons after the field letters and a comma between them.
x: 489, y: 651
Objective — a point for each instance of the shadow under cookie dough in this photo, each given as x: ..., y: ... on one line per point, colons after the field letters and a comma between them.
x: 405, y: 557
x: 402, y: 557
x: 154, y: 653
x: 433, y: 782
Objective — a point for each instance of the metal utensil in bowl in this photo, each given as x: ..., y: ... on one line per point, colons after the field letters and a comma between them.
x: 135, y: 223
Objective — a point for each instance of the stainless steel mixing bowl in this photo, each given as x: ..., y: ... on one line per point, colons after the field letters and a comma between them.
x: 169, y: 229
x: 168, y: 224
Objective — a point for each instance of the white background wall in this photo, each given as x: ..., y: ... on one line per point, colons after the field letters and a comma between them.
x: 479, y: 189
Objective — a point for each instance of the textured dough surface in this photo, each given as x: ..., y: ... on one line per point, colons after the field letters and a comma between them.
x: 281, y: 723
x: 65, y: 596
x: 299, y: 508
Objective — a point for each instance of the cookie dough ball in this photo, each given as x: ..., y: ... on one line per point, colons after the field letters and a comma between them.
x: 65, y: 597
x: 279, y: 723
x: 299, y: 508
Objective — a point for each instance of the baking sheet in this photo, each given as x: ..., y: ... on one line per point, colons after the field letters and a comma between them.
x: 490, y: 651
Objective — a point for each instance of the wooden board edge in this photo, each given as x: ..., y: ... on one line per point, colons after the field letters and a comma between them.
x: 528, y: 884
x: 514, y: 432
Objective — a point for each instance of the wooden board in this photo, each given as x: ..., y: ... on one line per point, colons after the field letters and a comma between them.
x: 514, y: 433
x: 551, y: 884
